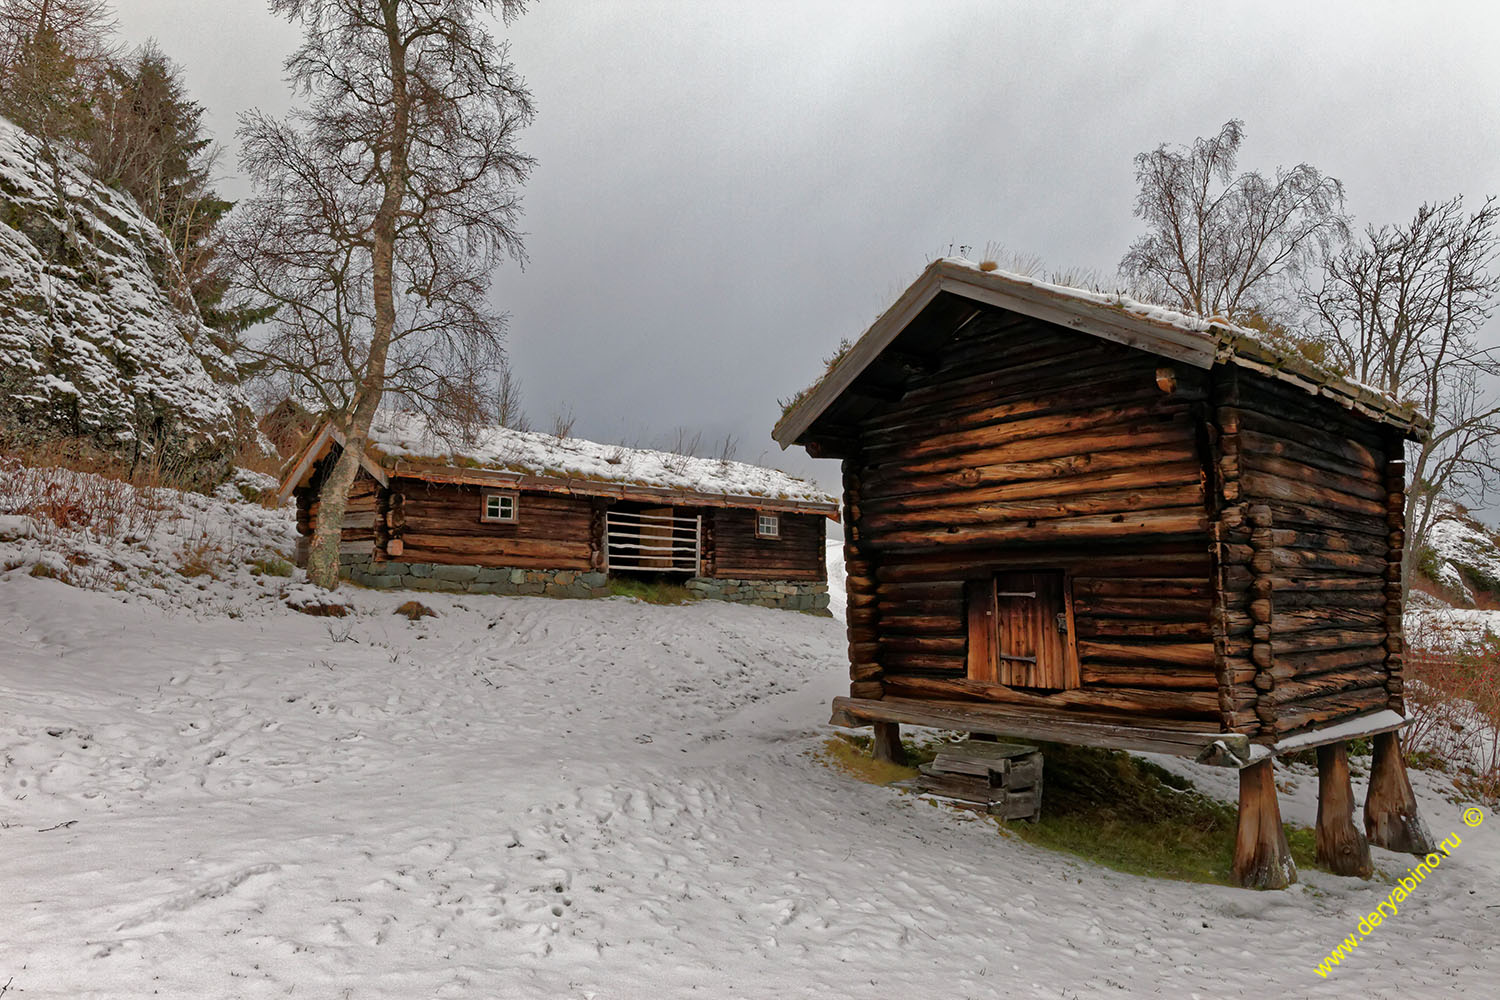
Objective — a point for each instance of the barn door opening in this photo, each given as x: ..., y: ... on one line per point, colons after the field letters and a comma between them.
x: 1021, y: 630
x: 652, y: 540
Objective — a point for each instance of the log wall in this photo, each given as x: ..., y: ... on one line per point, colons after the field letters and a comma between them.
x: 1307, y: 547
x: 360, y: 514
x: 800, y: 553
x: 441, y: 523
x: 1025, y: 445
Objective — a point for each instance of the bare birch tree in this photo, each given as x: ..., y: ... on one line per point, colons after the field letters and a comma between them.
x: 387, y: 201
x: 1402, y: 309
x: 1218, y: 244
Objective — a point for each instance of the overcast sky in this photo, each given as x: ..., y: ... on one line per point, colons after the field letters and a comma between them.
x: 724, y: 190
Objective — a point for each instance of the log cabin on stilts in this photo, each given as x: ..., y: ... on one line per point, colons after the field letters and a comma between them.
x: 492, y: 510
x: 1073, y: 517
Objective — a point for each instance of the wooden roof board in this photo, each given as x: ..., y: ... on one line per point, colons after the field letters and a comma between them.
x: 1201, y: 349
x: 593, y: 487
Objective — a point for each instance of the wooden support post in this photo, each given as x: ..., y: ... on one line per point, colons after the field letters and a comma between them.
x: 1391, y: 819
x: 1262, y: 857
x: 1342, y: 849
x: 888, y: 743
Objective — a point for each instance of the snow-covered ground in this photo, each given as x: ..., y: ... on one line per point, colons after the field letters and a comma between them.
x: 525, y: 797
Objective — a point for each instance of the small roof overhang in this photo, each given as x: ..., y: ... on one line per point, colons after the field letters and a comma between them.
x: 300, y: 470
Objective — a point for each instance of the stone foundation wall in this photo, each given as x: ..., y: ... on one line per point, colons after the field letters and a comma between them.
x: 793, y: 596
x: 389, y: 575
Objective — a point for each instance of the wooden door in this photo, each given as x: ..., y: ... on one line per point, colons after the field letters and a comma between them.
x: 1021, y: 630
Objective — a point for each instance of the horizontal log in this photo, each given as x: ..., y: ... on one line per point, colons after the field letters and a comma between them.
x: 1092, y: 627
x: 462, y: 546
x: 1121, y: 437
x: 1295, y: 407
x: 1091, y: 588
x: 991, y: 481
x: 1327, y: 453
x: 939, y: 644
x: 1027, y: 402
x: 1140, y: 559
x: 1319, y: 518
x: 1287, y: 623
x: 1367, y: 487
x: 1096, y: 673
x: 1307, y: 642
x: 1317, y: 685
x: 1191, y: 654
x: 1143, y: 497
x: 1163, y: 608
x: 1132, y: 735
x: 1163, y: 704
x: 1329, y: 708
x: 1171, y: 521
x: 1330, y: 541
x: 1271, y: 487
x: 926, y: 664
x: 914, y: 449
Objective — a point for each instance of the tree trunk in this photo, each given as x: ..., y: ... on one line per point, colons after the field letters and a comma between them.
x: 323, y: 560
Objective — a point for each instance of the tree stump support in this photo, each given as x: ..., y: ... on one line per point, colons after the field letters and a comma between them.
x: 1342, y: 848
x: 1262, y: 857
x: 888, y: 746
x: 1391, y: 819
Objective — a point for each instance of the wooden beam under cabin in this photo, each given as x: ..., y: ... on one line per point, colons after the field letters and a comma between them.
x: 1227, y: 749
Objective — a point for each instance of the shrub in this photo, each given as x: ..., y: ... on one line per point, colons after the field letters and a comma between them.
x: 272, y: 565
x: 415, y: 611
x: 1454, y: 700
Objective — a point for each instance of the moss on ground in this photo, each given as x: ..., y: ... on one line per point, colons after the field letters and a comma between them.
x: 651, y: 591
x: 1109, y: 808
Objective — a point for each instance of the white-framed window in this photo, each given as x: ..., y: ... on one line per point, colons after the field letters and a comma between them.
x: 767, y: 526
x: 501, y: 507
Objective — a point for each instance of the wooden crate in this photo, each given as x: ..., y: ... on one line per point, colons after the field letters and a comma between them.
x: 1002, y: 779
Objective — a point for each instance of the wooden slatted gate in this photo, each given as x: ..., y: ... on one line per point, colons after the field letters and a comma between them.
x: 652, y: 541
x: 1021, y: 631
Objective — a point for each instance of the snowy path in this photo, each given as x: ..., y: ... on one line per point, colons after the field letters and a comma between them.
x: 535, y: 798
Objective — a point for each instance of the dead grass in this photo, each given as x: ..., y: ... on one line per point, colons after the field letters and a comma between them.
x: 852, y: 755
x: 1454, y: 700
x: 415, y: 611
x: 321, y: 610
x: 271, y: 565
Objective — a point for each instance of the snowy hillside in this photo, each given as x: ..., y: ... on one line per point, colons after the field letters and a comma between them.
x: 1464, y: 565
x: 206, y: 794
x: 91, y: 342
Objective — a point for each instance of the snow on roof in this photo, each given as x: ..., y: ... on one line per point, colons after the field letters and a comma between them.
x: 1195, y: 339
x: 413, y: 438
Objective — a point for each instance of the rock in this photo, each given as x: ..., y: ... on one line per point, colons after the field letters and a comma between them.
x: 93, y: 344
x: 460, y: 574
x: 518, y: 576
